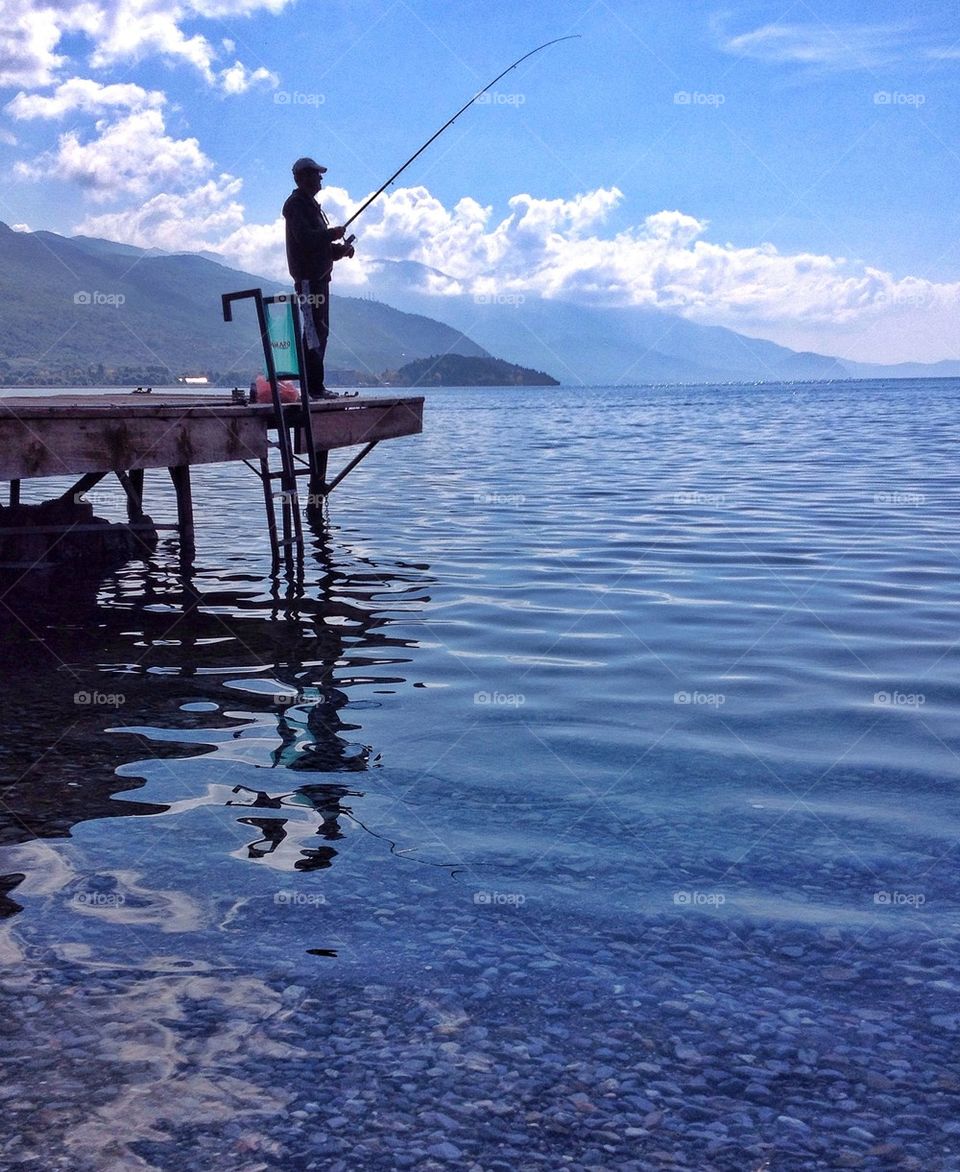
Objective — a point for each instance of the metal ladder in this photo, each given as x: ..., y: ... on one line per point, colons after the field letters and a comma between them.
x: 289, y: 418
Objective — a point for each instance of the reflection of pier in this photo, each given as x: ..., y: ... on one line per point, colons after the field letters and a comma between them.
x: 93, y: 435
x: 166, y: 641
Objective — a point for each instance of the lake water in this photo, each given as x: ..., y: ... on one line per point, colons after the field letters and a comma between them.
x: 590, y: 801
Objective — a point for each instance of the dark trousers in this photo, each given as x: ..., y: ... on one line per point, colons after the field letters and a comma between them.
x: 315, y: 316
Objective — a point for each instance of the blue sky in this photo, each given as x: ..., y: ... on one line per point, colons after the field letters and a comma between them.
x: 789, y: 170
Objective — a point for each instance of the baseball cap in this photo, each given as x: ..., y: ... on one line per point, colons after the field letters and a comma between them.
x: 307, y: 164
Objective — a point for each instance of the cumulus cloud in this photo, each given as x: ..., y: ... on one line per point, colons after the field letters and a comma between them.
x: 30, y: 32
x: 131, y: 156
x: 83, y: 95
x: 120, y: 31
x: 237, y: 79
x: 189, y: 222
x: 560, y: 248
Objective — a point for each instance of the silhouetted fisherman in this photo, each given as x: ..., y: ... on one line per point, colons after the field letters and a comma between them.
x: 311, y: 253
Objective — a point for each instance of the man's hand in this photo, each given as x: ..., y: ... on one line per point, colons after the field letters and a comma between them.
x: 336, y: 233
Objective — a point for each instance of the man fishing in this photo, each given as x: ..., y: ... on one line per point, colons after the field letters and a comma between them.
x: 311, y: 242
x: 312, y: 250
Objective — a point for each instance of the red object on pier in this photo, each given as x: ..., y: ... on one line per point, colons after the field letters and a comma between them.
x: 289, y: 392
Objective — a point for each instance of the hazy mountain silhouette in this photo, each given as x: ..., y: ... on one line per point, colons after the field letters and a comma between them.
x: 599, y: 345
x: 71, y: 304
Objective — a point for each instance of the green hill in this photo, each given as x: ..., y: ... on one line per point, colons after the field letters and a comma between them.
x: 456, y: 370
x: 88, y: 311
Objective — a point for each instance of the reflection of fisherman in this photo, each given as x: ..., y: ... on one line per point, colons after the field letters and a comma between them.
x: 325, y: 800
x: 273, y: 833
x: 311, y: 253
x: 310, y: 740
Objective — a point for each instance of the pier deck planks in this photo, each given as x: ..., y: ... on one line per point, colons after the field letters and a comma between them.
x: 78, y: 433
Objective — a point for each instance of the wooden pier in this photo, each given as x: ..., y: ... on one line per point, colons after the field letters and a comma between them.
x: 94, y: 435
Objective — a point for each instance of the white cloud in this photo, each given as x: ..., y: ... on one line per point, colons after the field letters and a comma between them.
x: 177, y: 223
x: 220, y: 9
x: 130, y: 30
x: 128, y: 157
x: 29, y: 35
x: 237, y: 79
x: 7, y: 137
x: 81, y: 94
x: 558, y: 248
x: 31, y: 32
x: 833, y: 46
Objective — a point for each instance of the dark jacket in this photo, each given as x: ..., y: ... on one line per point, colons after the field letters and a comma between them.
x: 311, y: 250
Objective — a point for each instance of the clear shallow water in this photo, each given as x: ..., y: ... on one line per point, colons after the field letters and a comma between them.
x: 591, y: 801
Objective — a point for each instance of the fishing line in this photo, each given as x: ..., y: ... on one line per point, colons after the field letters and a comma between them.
x: 363, y: 207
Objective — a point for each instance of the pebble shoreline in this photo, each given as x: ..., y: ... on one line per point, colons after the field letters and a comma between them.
x: 726, y: 1046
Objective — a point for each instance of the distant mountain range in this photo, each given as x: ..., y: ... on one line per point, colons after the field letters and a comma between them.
x: 608, y: 346
x: 80, y: 309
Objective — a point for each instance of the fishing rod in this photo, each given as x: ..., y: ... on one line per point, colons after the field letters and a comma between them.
x: 380, y: 190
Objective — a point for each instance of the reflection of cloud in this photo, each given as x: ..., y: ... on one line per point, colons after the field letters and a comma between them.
x: 142, y: 1029
x: 129, y: 902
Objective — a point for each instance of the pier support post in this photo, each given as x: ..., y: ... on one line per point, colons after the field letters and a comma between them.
x: 318, y: 479
x: 135, y: 495
x: 180, y: 475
